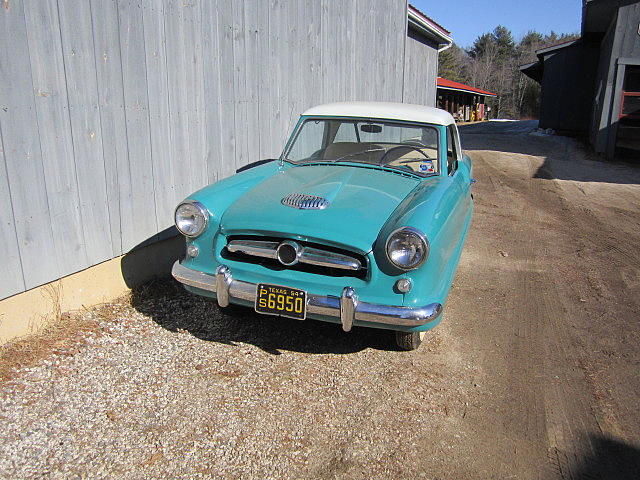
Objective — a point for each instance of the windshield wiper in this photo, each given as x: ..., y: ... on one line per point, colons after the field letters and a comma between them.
x: 358, y: 153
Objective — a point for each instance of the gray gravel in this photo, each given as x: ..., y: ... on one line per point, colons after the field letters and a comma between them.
x: 176, y: 388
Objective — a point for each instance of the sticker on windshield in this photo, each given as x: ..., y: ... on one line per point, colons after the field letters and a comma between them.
x: 426, y: 166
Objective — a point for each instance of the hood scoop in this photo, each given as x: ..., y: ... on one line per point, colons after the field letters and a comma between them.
x: 304, y: 201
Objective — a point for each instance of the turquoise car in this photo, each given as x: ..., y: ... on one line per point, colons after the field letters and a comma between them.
x: 361, y: 221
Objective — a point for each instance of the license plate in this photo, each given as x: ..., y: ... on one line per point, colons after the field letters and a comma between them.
x: 284, y: 301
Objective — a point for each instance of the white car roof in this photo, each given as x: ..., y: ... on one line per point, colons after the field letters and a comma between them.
x: 383, y: 110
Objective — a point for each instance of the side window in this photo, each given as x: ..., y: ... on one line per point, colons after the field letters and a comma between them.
x: 452, y: 150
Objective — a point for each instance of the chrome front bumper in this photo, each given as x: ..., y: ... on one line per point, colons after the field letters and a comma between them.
x: 347, y: 307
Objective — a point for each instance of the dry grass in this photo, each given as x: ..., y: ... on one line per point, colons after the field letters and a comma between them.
x: 63, y: 335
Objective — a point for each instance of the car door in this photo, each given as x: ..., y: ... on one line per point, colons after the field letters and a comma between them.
x: 459, y: 173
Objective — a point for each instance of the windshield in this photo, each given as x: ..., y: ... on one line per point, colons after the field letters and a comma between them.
x: 407, y: 147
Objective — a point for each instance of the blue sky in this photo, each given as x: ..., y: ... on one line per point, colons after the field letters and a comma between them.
x: 467, y: 19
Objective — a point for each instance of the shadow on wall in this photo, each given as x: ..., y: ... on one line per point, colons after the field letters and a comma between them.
x: 153, y: 258
x: 564, y: 158
x: 611, y: 460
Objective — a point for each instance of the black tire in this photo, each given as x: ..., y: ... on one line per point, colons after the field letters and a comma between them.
x: 409, y: 340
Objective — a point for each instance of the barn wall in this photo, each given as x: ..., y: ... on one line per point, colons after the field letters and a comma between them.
x: 568, y: 88
x: 113, y: 111
x: 627, y: 28
x: 420, y: 70
x: 605, y: 85
x: 621, y: 44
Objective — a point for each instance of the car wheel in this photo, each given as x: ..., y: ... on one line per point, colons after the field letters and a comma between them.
x: 409, y: 340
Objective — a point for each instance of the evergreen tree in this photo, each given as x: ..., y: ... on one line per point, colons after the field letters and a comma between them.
x: 492, y: 63
x: 504, y: 42
x: 481, y: 46
x: 452, y: 64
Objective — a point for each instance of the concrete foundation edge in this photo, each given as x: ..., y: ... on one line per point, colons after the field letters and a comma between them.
x: 28, y: 312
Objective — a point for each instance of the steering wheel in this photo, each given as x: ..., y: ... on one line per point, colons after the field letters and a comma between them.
x: 410, y: 147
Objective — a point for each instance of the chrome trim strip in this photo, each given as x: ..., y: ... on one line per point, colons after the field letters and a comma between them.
x: 327, y: 305
x: 257, y: 248
x: 311, y: 256
x: 314, y: 256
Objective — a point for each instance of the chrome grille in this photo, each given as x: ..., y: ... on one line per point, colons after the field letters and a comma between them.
x: 284, y: 253
x: 305, y: 202
x: 312, y: 256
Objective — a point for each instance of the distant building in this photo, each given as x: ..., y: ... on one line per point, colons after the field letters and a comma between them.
x: 591, y: 86
x: 464, y: 102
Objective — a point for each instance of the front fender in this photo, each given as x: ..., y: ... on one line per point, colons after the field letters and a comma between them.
x: 436, y: 208
x: 218, y: 196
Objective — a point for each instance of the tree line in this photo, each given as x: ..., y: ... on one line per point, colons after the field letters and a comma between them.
x: 492, y: 64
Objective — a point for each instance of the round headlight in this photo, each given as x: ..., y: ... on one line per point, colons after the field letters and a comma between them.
x: 407, y: 248
x: 191, y: 218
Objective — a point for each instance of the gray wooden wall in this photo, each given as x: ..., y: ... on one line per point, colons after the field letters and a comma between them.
x: 112, y: 111
x: 421, y: 62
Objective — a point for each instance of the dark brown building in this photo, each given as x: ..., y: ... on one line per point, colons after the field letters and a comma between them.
x: 591, y: 86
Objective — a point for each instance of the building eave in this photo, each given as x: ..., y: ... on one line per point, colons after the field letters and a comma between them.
x: 533, y: 70
x: 430, y: 29
x: 543, y: 51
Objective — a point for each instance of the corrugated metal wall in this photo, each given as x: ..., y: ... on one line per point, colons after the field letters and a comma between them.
x: 113, y: 111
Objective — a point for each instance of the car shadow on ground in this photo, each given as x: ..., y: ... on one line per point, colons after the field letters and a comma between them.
x: 564, y: 158
x: 610, y: 460
x: 175, y: 309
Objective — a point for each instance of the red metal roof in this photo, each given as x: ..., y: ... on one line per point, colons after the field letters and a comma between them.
x: 451, y: 85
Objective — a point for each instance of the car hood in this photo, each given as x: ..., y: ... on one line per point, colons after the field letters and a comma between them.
x: 361, y: 200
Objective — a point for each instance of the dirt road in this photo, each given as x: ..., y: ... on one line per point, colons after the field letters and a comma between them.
x: 533, y: 374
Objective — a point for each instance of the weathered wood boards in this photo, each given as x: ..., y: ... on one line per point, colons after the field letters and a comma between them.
x: 112, y: 111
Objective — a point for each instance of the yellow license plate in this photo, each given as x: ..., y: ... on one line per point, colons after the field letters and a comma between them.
x: 284, y: 301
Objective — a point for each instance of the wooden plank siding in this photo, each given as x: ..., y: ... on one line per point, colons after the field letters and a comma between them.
x: 51, y: 101
x: 421, y: 62
x: 23, y: 157
x: 112, y: 111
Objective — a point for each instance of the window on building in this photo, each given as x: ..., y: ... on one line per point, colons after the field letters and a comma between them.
x: 631, y: 95
x: 632, y: 79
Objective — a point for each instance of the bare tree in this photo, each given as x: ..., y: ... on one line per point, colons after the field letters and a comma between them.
x: 492, y: 64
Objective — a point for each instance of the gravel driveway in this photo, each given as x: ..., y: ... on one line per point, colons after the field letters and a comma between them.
x: 532, y: 374
x: 235, y: 396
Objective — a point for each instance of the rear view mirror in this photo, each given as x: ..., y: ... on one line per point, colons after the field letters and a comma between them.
x: 371, y: 128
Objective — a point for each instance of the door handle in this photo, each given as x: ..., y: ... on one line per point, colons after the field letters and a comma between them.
x: 472, y: 181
